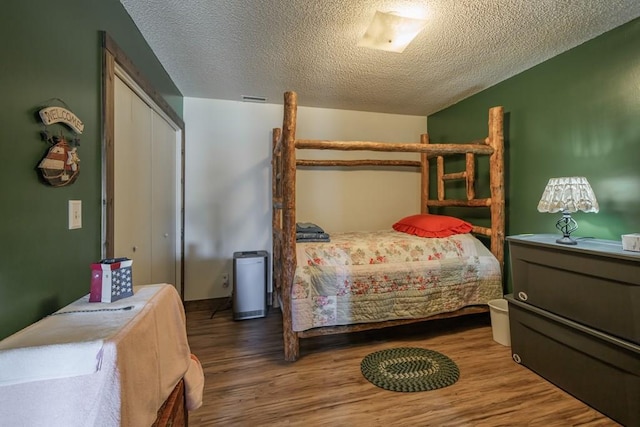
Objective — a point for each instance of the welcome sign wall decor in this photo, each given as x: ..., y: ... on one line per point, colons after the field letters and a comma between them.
x: 51, y: 115
x: 61, y: 164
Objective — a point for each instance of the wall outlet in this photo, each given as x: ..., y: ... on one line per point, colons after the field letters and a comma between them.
x: 225, y: 280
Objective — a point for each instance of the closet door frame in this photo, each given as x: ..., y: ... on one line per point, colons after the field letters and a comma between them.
x: 116, y: 62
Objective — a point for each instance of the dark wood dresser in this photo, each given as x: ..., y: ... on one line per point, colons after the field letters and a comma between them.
x: 574, y: 318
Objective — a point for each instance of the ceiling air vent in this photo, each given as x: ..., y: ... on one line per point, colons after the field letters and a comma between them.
x: 251, y: 98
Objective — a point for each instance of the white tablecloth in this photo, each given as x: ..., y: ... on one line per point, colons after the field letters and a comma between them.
x: 95, y: 364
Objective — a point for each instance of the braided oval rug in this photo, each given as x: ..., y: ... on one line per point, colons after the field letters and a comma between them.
x: 409, y: 369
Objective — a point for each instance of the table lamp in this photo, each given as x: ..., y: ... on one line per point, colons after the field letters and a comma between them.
x: 566, y: 195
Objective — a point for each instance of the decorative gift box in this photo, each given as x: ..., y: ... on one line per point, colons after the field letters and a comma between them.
x: 631, y: 242
x: 111, y: 280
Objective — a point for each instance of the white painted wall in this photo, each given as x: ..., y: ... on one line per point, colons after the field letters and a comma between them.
x: 357, y: 199
x: 228, y: 181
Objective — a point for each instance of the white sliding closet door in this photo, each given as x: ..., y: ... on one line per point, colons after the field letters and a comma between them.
x: 163, y: 201
x: 145, y: 194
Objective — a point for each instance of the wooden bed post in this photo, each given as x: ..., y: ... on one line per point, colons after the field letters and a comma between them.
x: 496, y: 160
x: 276, y: 212
x: 291, y: 340
x: 424, y: 176
x: 470, y: 175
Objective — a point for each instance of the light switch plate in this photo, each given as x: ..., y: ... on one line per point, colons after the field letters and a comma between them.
x: 75, y: 214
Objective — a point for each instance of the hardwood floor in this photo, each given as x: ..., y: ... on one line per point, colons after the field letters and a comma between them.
x: 248, y: 383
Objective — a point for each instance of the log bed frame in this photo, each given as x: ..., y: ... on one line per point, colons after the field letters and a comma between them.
x: 284, y: 164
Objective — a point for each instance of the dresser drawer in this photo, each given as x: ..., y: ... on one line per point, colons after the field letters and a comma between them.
x: 591, y: 283
x: 599, y: 369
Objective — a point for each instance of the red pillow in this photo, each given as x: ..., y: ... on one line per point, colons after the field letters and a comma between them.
x: 427, y: 225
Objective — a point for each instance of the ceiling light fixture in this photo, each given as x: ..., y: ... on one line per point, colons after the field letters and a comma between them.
x: 391, y: 32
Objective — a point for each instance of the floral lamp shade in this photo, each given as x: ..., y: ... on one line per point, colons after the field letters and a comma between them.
x: 566, y: 195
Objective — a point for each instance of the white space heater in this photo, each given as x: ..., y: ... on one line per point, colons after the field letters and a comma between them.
x: 250, y: 284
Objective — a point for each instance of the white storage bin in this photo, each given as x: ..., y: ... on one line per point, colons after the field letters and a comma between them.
x: 499, y: 311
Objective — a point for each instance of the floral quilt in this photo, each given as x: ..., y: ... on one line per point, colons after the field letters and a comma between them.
x: 362, y: 277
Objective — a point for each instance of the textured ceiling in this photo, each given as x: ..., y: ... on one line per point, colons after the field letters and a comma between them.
x: 223, y: 49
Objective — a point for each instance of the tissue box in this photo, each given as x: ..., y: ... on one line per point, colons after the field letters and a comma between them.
x: 111, y: 280
x: 631, y: 242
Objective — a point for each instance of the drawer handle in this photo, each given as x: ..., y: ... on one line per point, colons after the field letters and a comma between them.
x: 516, y: 358
x: 523, y: 296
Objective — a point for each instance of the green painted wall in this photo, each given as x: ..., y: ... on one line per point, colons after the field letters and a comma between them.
x: 575, y: 114
x: 52, y: 50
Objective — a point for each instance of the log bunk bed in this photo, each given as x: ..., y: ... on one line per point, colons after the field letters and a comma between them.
x: 285, y: 163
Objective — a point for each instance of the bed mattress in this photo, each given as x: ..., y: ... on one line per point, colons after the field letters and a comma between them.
x: 362, y: 277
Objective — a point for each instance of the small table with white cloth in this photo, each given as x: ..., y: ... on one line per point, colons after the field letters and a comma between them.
x: 97, y: 364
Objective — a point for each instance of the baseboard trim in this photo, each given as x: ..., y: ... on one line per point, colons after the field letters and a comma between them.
x: 203, y: 304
